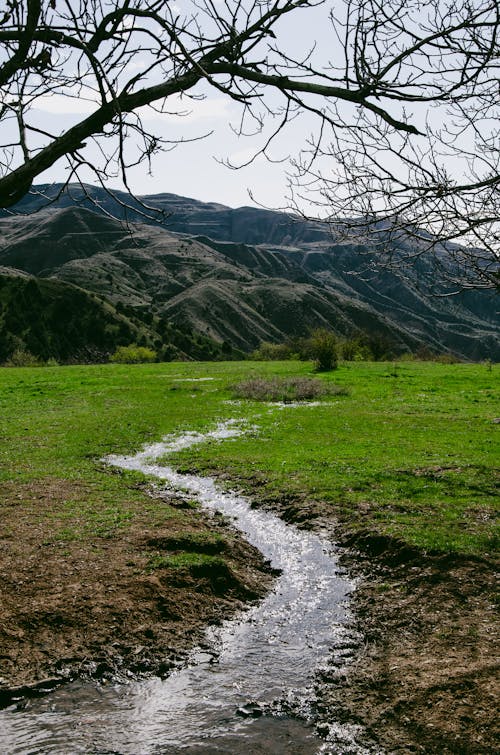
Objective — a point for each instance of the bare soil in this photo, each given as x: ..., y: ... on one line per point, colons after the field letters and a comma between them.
x: 426, y: 676
x: 96, y: 607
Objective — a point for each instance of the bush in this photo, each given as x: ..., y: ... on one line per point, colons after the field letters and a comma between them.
x: 446, y: 358
x: 323, y: 349
x: 133, y: 354
x: 285, y: 389
x: 22, y: 358
x: 349, y: 349
x: 269, y: 352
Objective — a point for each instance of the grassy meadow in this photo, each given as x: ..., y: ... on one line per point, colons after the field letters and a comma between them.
x: 409, y: 449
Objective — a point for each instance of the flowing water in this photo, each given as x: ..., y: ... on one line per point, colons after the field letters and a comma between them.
x: 249, y: 689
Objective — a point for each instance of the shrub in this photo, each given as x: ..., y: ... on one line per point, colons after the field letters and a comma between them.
x: 446, y: 358
x: 22, y: 358
x: 349, y: 349
x: 323, y: 349
x: 133, y: 354
x: 285, y: 389
x: 269, y: 352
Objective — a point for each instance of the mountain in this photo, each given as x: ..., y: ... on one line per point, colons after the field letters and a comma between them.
x: 234, y: 277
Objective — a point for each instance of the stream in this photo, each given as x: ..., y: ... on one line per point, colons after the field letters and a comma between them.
x: 250, y: 688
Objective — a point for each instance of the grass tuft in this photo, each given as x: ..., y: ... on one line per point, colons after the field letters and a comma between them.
x: 188, y: 561
x: 286, y: 389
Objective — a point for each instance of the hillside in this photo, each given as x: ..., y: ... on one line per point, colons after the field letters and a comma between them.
x: 238, y: 277
x: 51, y: 319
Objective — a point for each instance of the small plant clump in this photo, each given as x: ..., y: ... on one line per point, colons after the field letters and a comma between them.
x: 286, y: 389
x: 23, y: 358
x: 321, y: 346
x: 272, y: 352
x: 133, y: 354
x: 185, y: 560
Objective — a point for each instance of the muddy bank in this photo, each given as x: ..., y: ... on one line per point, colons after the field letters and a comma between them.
x: 426, y: 677
x: 108, y: 608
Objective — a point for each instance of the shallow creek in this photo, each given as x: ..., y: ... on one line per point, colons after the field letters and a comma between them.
x: 250, y: 688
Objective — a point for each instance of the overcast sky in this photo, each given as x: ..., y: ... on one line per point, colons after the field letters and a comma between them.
x: 194, y: 169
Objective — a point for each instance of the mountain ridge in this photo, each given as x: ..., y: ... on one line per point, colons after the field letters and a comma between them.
x: 202, y: 272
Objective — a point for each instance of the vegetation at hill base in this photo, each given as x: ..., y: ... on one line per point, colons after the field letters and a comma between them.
x: 47, y: 320
x: 253, y: 277
x: 133, y: 354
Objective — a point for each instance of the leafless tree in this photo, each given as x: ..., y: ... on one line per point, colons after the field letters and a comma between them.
x: 124, y: 56
x: 409, y: 192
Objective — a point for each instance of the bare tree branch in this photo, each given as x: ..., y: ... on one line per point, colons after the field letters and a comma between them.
x: 432, y: 171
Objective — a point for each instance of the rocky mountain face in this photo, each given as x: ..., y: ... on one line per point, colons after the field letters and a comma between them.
x: 233, y: 276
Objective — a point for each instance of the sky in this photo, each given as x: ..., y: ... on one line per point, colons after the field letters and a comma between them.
x: 196, y: 169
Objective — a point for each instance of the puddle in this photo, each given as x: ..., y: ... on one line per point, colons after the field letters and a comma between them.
x: 297, y: 404
x: 189, y: 380
x: 250, y: 688
x: 286, y: 404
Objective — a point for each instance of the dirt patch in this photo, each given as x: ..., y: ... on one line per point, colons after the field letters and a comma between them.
x: 110, y: 606
x: 426, y: 676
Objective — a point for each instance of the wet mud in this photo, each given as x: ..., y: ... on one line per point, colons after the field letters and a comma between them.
x: 426, y: 678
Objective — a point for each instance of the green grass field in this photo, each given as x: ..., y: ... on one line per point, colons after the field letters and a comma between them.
x: 412, y: 450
